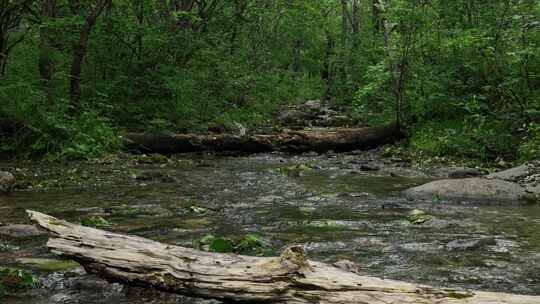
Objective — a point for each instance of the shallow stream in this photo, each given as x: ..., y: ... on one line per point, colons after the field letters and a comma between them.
x: 325, y: 203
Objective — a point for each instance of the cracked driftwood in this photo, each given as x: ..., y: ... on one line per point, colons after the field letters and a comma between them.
x: 290, y: 278
x: 345, y: 139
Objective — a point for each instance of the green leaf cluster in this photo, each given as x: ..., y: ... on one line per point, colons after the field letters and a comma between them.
x: 250, y: 244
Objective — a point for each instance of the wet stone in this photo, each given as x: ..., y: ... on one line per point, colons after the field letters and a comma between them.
x: 421, y: 247
x: 20, y: 231
x: 326, y: 246
x: 503, y: 246
x: 370, y: 167
x: 464, y: 172
x: 154, y: 176
x: 470, y: 244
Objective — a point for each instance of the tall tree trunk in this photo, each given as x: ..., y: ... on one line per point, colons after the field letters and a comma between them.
x: 355, y: 37
x: 3, y: 52
x: 80, y: 48
x: 377, y: 7
x: 355, y: 19
x: 343, y: 74
x: 46, y: 64
x: 11, y: 16
x: 239, y: 9
x: 344, y: 22
x: 326, y: 73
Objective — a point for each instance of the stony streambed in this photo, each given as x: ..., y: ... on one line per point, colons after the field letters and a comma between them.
x: 337, y: 206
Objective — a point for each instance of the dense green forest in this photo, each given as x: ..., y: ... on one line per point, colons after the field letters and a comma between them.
x: 462, y: 77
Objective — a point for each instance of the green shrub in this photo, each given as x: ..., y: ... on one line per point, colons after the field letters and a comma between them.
x: 478, y: 137
x: 13, y: 280
x: 530, y: 148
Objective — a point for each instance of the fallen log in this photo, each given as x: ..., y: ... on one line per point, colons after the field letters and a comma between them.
x: 320, y: 140
x: 289, y: 278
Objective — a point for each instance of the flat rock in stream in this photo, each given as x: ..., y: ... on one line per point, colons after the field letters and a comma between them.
x: 20, y: 231
x: 469, y: 189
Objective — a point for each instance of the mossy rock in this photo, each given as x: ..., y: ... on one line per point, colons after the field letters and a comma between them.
x: 49, y: 265
x: 96, y: 222
x: 418, y: 217
x: 295, y: 170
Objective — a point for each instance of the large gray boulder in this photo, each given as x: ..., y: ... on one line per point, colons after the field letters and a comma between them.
x: 520, y: 183
x: 7, y: 181
x: 470, y: 189
x: 512, y: 175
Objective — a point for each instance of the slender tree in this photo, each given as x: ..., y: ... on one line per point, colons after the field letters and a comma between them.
x: 81, y: 46
x: 12, y: 13
x: 46, y: 64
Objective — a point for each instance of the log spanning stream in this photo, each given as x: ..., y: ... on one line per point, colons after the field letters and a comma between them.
x: 325, y: 203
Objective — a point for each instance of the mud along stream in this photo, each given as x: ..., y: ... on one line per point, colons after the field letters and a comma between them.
x: 338, y: 206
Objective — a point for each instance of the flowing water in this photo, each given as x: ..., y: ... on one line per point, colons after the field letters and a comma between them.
x: 335, y: 211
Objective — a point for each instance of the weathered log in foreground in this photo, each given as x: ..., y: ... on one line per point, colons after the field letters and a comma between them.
x: 290, y: 278
x: 293, y: 141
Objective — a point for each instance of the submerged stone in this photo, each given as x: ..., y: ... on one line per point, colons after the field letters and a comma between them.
x: 421, y: 247
x: 370, y: 167
x: 464, y: 173
x: 20, y: 231
x: 49, y: 265
x: 470, y: 244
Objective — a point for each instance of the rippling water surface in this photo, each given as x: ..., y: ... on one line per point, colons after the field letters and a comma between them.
x: 337, y: 213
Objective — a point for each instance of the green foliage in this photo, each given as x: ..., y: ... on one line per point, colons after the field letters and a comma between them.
x: 530, y: 148
x: 250, y: 244
x: 13, y: 280
x: 418, y: 217
x: 294, y: 170
x: 38, y: 128
x: 483, y: 138
x: 156, y: 67
x: 96, y: 222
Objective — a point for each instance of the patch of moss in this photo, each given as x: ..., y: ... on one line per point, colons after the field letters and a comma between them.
x: 459, y: 295
x: 96, y: 222
x: 49, y: 265
x: 250, y: 244
x: 295, y: 170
